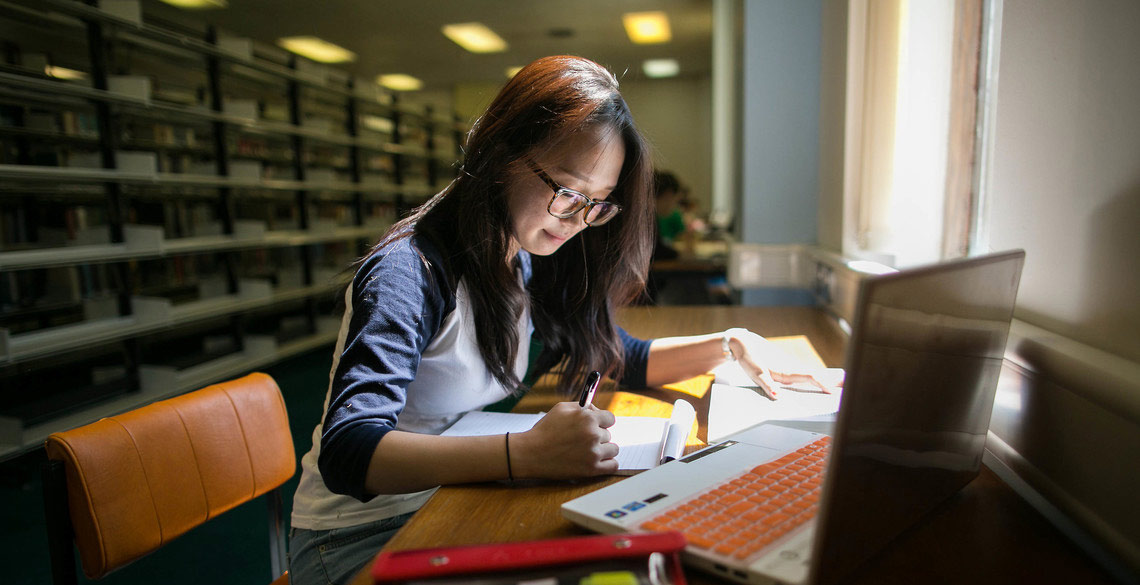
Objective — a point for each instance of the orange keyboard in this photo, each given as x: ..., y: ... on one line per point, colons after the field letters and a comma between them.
x: 749, y: 512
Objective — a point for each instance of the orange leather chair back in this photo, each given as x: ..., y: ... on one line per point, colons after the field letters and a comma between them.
x: 138, y: 480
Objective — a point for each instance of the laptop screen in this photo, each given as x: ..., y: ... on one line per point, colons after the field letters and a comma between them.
x: 899, y: 452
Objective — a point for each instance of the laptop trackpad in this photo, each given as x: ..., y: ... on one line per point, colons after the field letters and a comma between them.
x: 783, y: 436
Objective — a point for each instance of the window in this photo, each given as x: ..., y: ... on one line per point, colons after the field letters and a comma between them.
x: 911, y: 105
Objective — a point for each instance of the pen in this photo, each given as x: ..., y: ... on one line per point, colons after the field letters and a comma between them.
x: 591, y: 387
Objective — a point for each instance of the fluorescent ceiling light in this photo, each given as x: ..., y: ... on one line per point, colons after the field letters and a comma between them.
x: 318, y: 50
x: 399, y: 82
x: 475, y: 37
x: 64, y: 73
x: 197, y: 4
x: 660, y: 67
x: 512, y: 71
x: 647, y: 28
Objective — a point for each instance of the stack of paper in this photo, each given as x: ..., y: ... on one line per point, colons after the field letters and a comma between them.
x: 738, y: 403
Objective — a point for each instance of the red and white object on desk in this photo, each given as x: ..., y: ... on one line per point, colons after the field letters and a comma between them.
x: 648, y: 557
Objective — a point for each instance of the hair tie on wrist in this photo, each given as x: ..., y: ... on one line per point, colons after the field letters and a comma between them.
x: 510, y: 474
x: 726, y: 347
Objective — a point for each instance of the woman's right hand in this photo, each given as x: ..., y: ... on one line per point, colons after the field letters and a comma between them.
x: 569, y: 442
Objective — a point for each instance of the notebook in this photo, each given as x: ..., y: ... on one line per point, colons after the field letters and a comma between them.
x: 921, y: 371
x: 643, y: 441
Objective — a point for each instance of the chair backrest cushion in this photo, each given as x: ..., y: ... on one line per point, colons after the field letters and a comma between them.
x: 140, y: 479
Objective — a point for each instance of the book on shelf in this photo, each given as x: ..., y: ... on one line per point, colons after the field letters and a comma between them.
x: 44, y: 121
x: 275, y: 112
x: 11, y: 115
x: 176, y: 95
x: 247, y: 146
x: 14, y: 225
x: 46, y: 155
x: 644, y: 442
x: 61, y: 284
x: 135, y: 86
x: 241, y: 108
x: 83, y: 124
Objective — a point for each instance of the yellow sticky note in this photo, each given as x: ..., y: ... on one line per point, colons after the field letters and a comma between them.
x: 610, y: 578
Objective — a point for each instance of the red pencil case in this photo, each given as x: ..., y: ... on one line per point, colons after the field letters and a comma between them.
x: 652, y: 557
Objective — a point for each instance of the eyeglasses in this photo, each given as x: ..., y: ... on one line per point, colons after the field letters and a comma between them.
x: 566, y: 202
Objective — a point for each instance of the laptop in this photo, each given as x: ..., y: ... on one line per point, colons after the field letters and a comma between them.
x: 922, y: 367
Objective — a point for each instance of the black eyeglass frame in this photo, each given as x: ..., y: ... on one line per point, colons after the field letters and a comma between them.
x: 589, y: 204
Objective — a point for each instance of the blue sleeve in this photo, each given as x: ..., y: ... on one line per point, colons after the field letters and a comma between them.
x: 397, y: 305
x: 636, y: 359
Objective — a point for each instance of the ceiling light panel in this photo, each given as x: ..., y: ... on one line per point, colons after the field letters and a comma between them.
x: 475, y: 37
x: 64, y: 73
x: 657, y: 68
x: 647, y: 28
x: 399, y: 82
x: 317, y: 49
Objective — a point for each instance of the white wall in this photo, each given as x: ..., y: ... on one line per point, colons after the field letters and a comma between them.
x: 676, y: 117
x: 1065, y: 182
x: 1065, y: 185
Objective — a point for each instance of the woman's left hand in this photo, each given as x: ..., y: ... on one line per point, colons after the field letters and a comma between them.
x: 772, y: 368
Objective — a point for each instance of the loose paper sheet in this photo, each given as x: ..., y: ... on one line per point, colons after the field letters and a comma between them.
x: 736, y: 403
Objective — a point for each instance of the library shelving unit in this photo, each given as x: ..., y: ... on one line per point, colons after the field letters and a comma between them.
x: 178, y: 207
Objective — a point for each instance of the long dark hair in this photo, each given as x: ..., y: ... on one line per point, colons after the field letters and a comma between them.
x: 573, y: 292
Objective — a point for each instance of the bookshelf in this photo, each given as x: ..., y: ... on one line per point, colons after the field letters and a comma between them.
x: 184, y: 211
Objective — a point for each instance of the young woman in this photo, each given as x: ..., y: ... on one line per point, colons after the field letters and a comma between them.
x: 547, y: 230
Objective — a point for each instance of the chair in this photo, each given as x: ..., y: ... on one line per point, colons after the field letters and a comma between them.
x: 124, y: 486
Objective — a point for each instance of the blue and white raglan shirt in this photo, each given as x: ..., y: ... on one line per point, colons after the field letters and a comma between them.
x: 406, y: 358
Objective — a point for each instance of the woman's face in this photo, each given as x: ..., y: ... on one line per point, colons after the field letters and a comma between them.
x: 590, y: 163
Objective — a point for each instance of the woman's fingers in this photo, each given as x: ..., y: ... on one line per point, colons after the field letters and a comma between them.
x: 606, y: 419
x: 760, y: 376
x: 786, y: 378
x: 572, y: 441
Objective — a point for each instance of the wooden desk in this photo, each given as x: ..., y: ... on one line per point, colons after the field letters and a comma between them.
x: 985, y: 534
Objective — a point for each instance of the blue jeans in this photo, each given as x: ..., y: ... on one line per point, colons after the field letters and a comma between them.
x: 334, y: 557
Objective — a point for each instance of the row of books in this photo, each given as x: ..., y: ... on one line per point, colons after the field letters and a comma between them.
x: 42, y: 223
x: 49, y: 297
x: 46, y: 223
x: 41, y: 298
x: 83, y: 124
x: 164, y: 359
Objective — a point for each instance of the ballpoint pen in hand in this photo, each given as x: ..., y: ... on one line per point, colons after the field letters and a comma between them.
x: 590, y: 388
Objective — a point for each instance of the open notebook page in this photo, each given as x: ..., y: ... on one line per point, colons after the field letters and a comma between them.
x: 642, y: 440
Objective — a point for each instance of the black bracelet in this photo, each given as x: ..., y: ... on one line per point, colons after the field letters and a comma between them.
x: 510, y: 474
